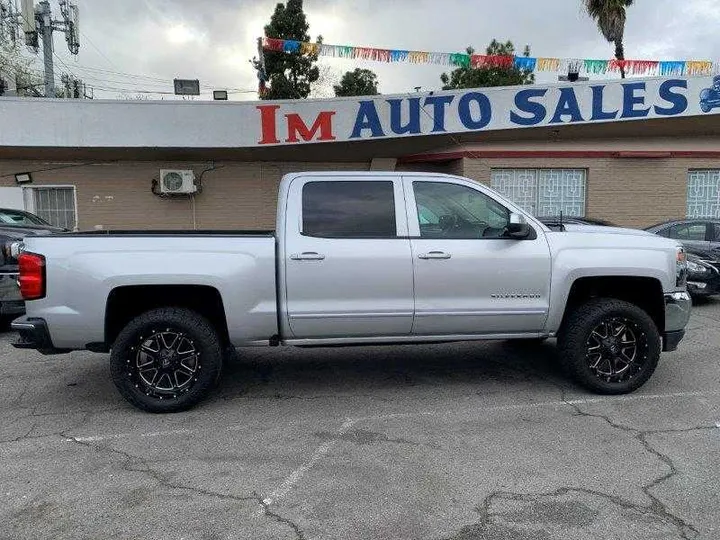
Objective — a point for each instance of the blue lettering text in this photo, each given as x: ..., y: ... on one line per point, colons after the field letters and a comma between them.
x: 367, y: 118
x: 524, y: 104
x: 465, y: 113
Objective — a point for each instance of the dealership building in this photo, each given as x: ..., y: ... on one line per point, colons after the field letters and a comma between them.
x: 633, y: 152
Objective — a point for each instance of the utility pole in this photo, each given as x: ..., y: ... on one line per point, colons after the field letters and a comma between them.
x: 37, y: 23
x: 44, y: 17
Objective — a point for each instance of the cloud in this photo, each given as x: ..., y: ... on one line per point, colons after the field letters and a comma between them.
x: 213, y: 40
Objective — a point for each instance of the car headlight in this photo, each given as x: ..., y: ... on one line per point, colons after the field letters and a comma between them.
x: 696, y: 268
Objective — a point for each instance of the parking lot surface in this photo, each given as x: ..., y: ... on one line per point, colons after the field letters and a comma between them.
x: 452, y: 442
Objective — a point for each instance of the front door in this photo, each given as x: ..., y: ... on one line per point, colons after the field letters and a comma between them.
x: 469, y: 277
x: 348, y: 267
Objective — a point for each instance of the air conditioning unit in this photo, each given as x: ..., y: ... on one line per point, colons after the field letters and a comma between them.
x: 177, y: 181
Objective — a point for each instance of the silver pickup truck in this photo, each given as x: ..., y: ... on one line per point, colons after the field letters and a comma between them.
x: 357, y: 259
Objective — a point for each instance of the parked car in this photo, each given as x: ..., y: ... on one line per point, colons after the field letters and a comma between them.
x: 14, y: 226
x: 703, y: 276
x: 700, y: 236
x: 356, y: 259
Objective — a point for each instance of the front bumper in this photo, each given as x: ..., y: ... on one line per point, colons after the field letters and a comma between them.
x: 677, y: 316
x: 699, y: 287
x: 34, y: 334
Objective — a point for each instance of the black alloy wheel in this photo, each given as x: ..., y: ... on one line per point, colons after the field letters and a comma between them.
x: 166, y: 360
x: 609, y: 346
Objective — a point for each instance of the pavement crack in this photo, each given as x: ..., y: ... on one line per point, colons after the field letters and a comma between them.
x: 657, y: 507
x: 265, y: 507
x: 486, y: 514
x: 138, y: 464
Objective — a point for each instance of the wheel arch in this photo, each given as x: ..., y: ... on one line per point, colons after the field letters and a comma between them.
x: 644, y: 292
x: 124, y: 303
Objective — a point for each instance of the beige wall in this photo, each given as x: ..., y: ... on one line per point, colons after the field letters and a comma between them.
x: 631, y: 192
x: 236, y: 195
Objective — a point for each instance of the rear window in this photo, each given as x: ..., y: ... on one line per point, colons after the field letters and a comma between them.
x: 349, y: 210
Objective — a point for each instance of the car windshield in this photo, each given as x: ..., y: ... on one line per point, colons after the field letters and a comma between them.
x: 19, y: 218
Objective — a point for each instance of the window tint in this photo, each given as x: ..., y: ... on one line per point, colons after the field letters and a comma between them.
x: 688, y: 231
x: 349, y: 210
x: 454, y: 211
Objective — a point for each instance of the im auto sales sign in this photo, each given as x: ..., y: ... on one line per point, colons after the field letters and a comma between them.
x: 485, y: 109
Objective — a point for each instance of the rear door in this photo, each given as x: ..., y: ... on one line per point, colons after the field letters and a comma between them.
x: 469, y: 278
x: 348, y: 267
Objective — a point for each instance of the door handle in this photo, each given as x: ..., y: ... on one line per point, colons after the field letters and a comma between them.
x: 435, y: 255
x: 307, y: 256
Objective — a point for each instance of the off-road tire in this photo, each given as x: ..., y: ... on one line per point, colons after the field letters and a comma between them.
x: 207, y: 363
x: 576, y: 337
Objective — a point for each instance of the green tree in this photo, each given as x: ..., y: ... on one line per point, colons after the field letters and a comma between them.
x: 611, y: 16
x: 14, y: 64
x: 290, y: 74
x: 479, y: 77
x: 361, y: 82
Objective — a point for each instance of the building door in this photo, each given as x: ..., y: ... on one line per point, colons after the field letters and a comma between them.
x: 348, y: 267
x: 469, y: 278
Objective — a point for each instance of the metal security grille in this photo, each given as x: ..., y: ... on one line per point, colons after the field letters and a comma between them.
x: 543, y: 192
x: 703, y: 193
x: 56, y: 205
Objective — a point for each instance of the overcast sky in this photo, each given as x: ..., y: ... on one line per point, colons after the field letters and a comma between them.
x: 155, y: 41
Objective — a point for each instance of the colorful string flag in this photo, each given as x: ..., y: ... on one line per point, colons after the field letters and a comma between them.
x: 526, y: 63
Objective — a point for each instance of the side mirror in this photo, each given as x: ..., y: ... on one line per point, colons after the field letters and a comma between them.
x: 518, y: 227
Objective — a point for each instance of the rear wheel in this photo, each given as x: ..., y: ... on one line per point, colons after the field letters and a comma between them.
x: 610, y: 346
x: 166, y: 360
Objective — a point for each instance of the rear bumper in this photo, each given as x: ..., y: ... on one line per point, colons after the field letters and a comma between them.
x: 677, y: 316
x: 34, y: 334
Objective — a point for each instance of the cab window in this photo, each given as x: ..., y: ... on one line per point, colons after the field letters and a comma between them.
x: 456, y: 211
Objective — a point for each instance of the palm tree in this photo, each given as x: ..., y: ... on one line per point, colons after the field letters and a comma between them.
x: 610, y: 16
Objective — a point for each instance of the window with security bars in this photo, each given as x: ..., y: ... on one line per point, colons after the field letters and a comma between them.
x: 703, y: 193
x: 56, y: 205
x: 543, y: 192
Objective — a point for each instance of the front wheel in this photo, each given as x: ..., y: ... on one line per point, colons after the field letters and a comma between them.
x: 610, y: 346
x: 166, y: 360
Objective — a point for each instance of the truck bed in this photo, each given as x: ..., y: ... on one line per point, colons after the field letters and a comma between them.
x: 87, y: 270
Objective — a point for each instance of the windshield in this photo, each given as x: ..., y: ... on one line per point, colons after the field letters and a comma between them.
x: 19, y: 218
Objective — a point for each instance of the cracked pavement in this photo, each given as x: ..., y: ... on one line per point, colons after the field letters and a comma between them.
x: 452, y: 442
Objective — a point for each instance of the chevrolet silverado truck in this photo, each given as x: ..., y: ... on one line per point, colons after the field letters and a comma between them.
x: 363, y: 258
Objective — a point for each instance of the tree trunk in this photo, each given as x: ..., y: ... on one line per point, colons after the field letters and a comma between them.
x: 620, y: 55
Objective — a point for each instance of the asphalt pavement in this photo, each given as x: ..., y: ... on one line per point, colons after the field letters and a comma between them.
x: 453, y: 442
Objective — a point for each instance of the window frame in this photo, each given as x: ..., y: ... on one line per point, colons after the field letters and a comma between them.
x: 398, y: 201
x: 413, y: 217
x: 29, y: 197
x: 537, y: 199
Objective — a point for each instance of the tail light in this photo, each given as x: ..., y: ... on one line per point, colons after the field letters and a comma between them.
x: 32, y: 276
